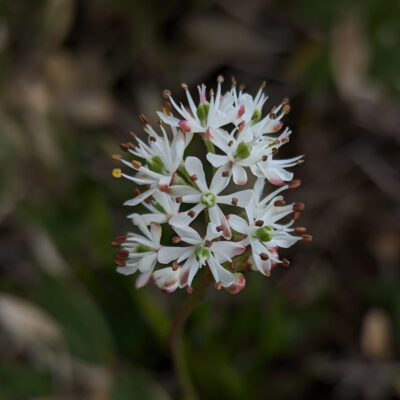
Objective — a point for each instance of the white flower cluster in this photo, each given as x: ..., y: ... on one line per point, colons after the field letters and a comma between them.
x: 239, y: 140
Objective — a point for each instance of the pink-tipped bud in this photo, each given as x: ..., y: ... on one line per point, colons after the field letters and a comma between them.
x: 238, y: 285
x: 184, y: 125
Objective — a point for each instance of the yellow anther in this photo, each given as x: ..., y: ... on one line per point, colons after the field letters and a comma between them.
x: 165, y: 110
x: 116, y: 172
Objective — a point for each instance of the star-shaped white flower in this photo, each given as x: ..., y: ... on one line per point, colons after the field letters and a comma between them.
x: 207, y: 197
x: 141, y: 251
x: 217, y: 112
x: 200, y: 252
x: 162, y: 160
x: 263, y: 232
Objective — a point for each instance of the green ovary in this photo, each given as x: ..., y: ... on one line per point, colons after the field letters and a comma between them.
x: 202, y: 254
x: 208, y: 200
x: 156, y: 165
x: 142, y: 249
x: 264, y: 233
x: 202, y: 112
x: 242, y: 151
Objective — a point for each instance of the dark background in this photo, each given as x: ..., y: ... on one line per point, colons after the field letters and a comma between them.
x: 74, y: 75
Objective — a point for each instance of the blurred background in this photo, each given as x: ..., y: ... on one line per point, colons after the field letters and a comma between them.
x: 74, y: 75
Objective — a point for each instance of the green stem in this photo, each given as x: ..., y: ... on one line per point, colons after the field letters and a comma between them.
x: 175, y: 336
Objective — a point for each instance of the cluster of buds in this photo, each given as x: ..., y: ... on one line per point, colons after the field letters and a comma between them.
x: 229, y: 233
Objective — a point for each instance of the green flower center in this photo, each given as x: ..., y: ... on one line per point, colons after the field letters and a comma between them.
x: 264, y: 233
x: 208, y: 200
x: 156, y: 165
x: 142, y: 248
x: 202, y: 112
x: 242, y: 150
x: 202, y: 254
x: 255, y: 117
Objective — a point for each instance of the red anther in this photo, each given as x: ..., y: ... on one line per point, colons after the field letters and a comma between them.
x: 285, y: 262
x: 120, y: 263
x: 136, y: 192
x: 218, y: 285
x: 219, y: 228
x: 117, y: 157
x: 175, y: 265
x: 299, y: 230
x: 296, y: 215
x: 264, y: 158
x: 143, y: 119
x: 279, y: 203
x: 232, y: 266
x: 286, y: 109
x: 152, y: 139
x: 120, y: 239
x: 294, y: 184
x: 272, y: 115
x: 191, y: 213
x: 307, y: 238
x: 298, y: 206
x: 208, y: 243
x: 264, y: 256
x: 234, y: 201
x: 178, y: 199
x: 189, y: 290
x: 122, y: 254
x: 274, y: 150
x: 148, y: 199
x: 136, y: 164
x: 194, y: 178
x: 259, y: 222
x: 176, y: 239
x: 124, y: 146
x: 115, y: 244
x: 225, y: 174
x: 131, y: 146
x: 285, y: 101
x: 166, y: 94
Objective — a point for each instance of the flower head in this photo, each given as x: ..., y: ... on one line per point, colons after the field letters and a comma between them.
x: 216, y: 227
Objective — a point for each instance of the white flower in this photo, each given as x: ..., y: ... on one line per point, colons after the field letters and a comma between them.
x: 167, y: 279
x: 162, y: 208
x: 242, y: 149
x: 217, y: 112
x: 263, y: 232
x: 275, y: 170
x: 140, y: 251
x: 162, y: 160
x: 207, y: 197
x: 199, y: 253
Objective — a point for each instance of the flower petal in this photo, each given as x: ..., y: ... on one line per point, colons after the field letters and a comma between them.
x: 217, y: 160
x: 143, y: 279
x: 168, y: 254
x: 220, y: 274
x: 239, y: 174
x: 156, y: 231
x: 194, y: 167
x: 243, y: 198
x: 238, y: 224
x: 219, y: 182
